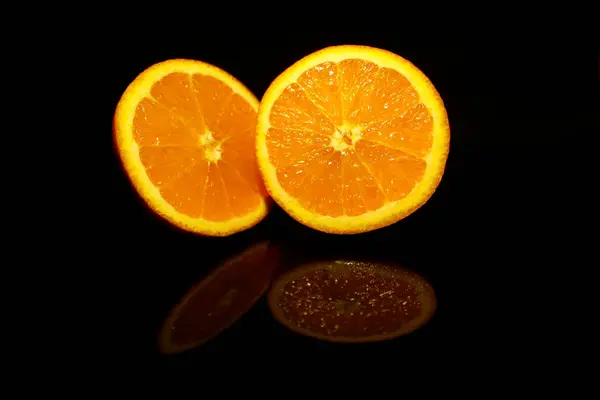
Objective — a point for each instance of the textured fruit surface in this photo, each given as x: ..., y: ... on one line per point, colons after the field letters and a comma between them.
x: 351, y: 139
x: 185, y: 133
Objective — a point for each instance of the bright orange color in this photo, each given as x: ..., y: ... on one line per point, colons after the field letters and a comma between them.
x: 352, y: 301
x: 185, y: 132
x: 219, y: 300
x: 351, y: 139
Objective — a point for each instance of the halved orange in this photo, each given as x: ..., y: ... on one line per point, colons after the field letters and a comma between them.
x: 185, y: 133
x: 351, y: 139
x: 352, y: 301
x: 219, y: 300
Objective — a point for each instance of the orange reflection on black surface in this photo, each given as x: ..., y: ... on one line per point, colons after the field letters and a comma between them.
x: 219, y: 300
x: 352, y: 301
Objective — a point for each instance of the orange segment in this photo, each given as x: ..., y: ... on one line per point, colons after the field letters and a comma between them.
x: 395, y: 172
x: 351, y: 139
x: 296, y: 112
x: 212, y: 96
x: 156, y: 125
x: 321, y: 86
x: 175, y: 93
x: 410, y: 132
x: 352, y: 301
x: 185, y: 133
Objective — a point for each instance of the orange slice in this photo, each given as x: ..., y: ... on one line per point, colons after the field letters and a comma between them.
x: 219, y: 300
x: 185, y: 132
x: 350, y: 301
x: 351, y: 139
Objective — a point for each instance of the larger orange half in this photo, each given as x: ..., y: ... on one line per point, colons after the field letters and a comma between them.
x: 185, y: 132
x: 351, y: 139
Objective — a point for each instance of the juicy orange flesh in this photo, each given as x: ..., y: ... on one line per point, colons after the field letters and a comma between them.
x: 382, y: 163
x: 196, y: 139
x: 352, y: 300
x: 228, y: 295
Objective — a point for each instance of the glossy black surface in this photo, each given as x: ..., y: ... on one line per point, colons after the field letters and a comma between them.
x: 492, y: 240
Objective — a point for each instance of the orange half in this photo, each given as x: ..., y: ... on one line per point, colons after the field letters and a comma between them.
x: 351, y: 139
x: 185, y: 133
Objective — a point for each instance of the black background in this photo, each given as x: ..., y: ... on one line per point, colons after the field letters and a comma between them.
x: 496, y: 239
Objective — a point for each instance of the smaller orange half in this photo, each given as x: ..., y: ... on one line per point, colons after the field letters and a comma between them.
x: 185, y: 133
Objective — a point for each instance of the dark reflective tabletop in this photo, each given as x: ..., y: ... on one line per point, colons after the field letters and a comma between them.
x: 472, y: 266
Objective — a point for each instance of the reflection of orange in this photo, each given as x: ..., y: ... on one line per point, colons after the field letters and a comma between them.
x: 351, y: 139
x: 185, y: 133
x: 218, y: 300
x: 349, y: 301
